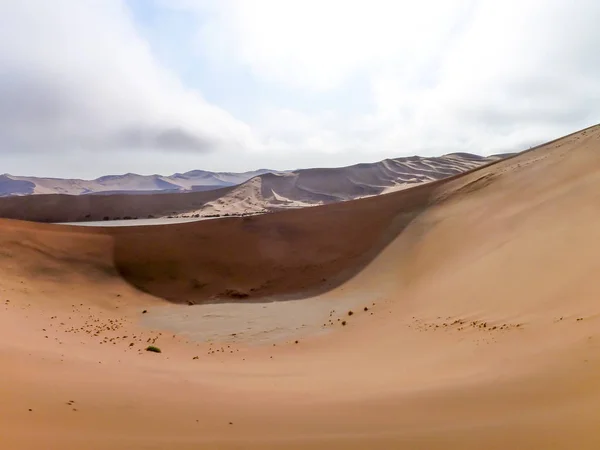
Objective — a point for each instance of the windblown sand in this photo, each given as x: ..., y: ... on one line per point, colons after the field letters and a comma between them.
x: 481, y: 328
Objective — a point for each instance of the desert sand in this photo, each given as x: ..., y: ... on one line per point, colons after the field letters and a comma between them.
x: 226, y: 194
x: 458, y: 314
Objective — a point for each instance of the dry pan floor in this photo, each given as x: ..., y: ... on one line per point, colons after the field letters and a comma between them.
x: 480, y: 329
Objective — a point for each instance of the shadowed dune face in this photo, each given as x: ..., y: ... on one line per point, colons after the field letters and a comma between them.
x: 476, y: 326
x: 287, y: 255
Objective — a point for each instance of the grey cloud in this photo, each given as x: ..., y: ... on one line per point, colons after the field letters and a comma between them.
x: 28, y: 98
x: 178, y: 139
x: 68, y: 84
x: 36, y: 112
x: 39, y: 112
x: 76, y: 77
x: 161, y: 138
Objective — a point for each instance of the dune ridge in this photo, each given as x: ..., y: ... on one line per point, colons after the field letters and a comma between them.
x: 234, y: 194
x: 13, y: 185
x: 469, y: 307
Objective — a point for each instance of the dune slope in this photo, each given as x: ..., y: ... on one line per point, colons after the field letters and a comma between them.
x: 474, y: 321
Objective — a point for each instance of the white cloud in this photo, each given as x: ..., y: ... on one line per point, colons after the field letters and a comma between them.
x: 445, y: 75
x: 428, y: 77
x: 75, y: 75
x: 319, y: 43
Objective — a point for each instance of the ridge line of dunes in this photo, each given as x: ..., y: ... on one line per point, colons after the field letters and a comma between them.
x: 285, y: 255
x: 269, y: 191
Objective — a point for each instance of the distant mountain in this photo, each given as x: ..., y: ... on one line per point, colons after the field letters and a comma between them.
x: 342, y: 182
x: 200, y: 193
x: 195, y: 180
x: 311, y: 187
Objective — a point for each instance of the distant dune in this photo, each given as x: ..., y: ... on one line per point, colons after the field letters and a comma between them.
x: 461, y: 313
x: 11, y: 185
x: 200, y: 193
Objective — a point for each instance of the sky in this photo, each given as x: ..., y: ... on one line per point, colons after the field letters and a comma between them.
x: 96, y: 87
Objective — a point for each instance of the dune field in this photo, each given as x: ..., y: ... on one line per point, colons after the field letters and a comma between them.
x: 458, y: 314
x: 186, y: 195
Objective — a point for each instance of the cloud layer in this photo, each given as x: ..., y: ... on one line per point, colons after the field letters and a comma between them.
x: 441, y: 75
x: 326, y: 82
x: 75, y: 75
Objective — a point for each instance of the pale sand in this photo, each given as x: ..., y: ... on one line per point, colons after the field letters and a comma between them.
x: 256, y: 323
x: 134, y: 222
x: 484, y: 334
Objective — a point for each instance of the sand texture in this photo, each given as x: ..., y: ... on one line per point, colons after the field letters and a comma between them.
x: 458, y: 314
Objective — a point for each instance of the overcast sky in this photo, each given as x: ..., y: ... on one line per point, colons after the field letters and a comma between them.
x: 90, y: 87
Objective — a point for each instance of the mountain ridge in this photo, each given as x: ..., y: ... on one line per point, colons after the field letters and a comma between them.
x: 267, y: 192
x: 190, y: 181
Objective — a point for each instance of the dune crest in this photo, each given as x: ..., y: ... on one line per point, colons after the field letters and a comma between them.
x: 134, y: 196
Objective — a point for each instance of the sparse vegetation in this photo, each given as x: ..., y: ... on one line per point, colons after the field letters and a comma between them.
x: 152, y: 348
x: 344, y: 323
x: 144, y: 311
x: 350, y: 313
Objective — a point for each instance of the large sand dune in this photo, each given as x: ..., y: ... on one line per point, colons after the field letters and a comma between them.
x: 238, y: 194
x: 475, y: 321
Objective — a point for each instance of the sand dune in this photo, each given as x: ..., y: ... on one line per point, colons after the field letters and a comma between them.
x: 11, y: 185
x: 311, y: 187
x: 458, y: 314
x: 389, y: 171
x: 241, y: 193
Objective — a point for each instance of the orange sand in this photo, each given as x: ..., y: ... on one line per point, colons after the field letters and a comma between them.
x: 481, y: 329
